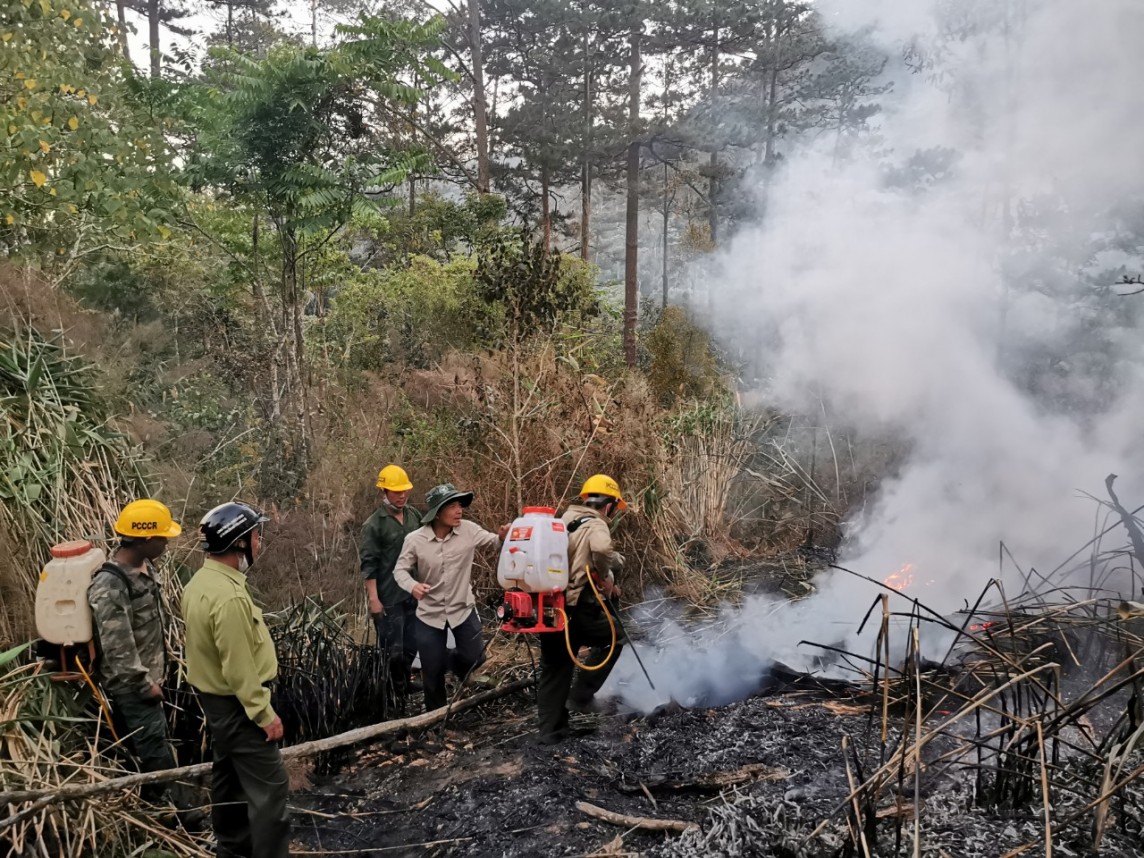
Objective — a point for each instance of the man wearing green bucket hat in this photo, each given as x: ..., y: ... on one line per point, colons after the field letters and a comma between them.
x: 435, y: 566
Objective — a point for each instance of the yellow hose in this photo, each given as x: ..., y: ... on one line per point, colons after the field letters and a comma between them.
x: 99, y: 698
x: 611, y: 627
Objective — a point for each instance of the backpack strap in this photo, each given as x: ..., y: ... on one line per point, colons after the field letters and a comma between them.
x: 114, y: 569
x: 575, y: 524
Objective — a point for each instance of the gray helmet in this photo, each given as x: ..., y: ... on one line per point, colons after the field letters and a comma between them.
x: 440, y: 495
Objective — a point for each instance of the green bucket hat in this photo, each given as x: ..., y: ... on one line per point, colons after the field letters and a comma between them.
x: 440, y: 495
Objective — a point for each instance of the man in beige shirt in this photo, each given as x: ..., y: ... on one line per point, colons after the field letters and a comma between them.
x: 436, y: 566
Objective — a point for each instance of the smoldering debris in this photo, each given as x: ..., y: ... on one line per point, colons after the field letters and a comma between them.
x: 1026, y: 732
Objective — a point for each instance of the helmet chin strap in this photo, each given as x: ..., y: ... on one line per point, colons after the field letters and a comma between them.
x: 246, y: 560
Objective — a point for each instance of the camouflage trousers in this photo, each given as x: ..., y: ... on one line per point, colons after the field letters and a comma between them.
x: 144, y: 724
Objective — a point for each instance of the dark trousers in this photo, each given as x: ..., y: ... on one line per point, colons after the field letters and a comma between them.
x: 436, y: 659
x: 146, y: 723
x: 587, y: 626
x: 396, y: 636
x: 248, y: 784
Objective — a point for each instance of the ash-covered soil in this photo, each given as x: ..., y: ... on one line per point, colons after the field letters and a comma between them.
x: 762, y: 777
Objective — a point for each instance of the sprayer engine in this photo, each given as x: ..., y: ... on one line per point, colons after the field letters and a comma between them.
x: 532, y: 612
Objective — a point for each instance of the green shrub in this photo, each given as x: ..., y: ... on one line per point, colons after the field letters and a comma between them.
x: 683, y: 365
x: 409, y: 316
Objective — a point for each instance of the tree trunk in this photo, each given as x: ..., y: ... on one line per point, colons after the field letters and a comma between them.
x: 153, y: 37
x: 295, y: 345
x: 666, y: 216
x: 713, y: 162
x: 480, y: 106
x: 632, y: 219
x: 121, y: 16
x: 772, y: 104
x: 264, y: 319
x: 666, y: 200
x: 545, y: 208
x: 586, y: 167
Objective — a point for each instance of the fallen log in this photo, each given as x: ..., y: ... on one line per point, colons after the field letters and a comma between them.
x: 706, y: 781
x: 645, y: 822
x: 45, y: 797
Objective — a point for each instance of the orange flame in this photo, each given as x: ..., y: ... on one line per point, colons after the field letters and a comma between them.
x: 901, y: 580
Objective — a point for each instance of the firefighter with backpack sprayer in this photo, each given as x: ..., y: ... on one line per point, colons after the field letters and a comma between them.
x: 127, y: 619
x: 590, y: 552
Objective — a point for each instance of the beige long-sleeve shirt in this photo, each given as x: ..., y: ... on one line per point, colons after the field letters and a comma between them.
x: 589, y: 546
x: 446, y: 565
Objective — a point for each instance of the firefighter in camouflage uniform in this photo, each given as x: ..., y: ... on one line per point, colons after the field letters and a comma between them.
x: 127, y: 617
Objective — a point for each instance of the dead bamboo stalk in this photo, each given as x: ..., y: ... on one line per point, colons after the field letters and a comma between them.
x: 351, y: 737
x: 1045, y: 793
x: 886, y: 657
x: 647, y: 823
x: 918, y: 753
x: 858, y: 821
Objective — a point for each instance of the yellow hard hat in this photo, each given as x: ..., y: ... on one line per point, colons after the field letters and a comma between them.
x: 146, y: 518
x: 394, y: 479
x: 602, y: 484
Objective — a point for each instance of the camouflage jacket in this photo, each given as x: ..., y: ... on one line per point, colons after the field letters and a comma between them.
x: 128, y: 624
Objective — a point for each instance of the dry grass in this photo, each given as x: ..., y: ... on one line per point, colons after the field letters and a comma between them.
x: 46, y: 741
x: 64, y: 469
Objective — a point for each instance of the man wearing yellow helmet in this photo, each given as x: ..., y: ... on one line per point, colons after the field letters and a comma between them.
x: 127, y: 616
x: 391, y: 607
x: 590, y: 552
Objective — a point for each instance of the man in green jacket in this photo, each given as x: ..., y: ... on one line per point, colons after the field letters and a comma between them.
x: 231, y: 663
x: 391, y: 607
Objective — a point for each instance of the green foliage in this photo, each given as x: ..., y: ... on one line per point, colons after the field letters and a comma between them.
x: 83, y: 165
x: 540, y: 291
x: 290, y: 130
x: 439, y: 227
x: 53, y: 420
x: 428, y: 436
x: 410, y: 315
x: 682, y: 362
x: 111, y: 283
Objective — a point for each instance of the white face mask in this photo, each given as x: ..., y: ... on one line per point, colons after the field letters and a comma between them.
x: 243, y: 565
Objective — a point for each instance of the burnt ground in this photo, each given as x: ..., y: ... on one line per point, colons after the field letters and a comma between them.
x: 758, y: 776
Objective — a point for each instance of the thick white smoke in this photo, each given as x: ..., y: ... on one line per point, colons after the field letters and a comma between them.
x: 892, y: 306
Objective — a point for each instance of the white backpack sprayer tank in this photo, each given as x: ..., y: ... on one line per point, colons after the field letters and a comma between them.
x: 63, y: 616
x: 533, y: 569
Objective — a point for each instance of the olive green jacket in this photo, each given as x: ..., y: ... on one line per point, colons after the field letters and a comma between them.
x: 381, y: 540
